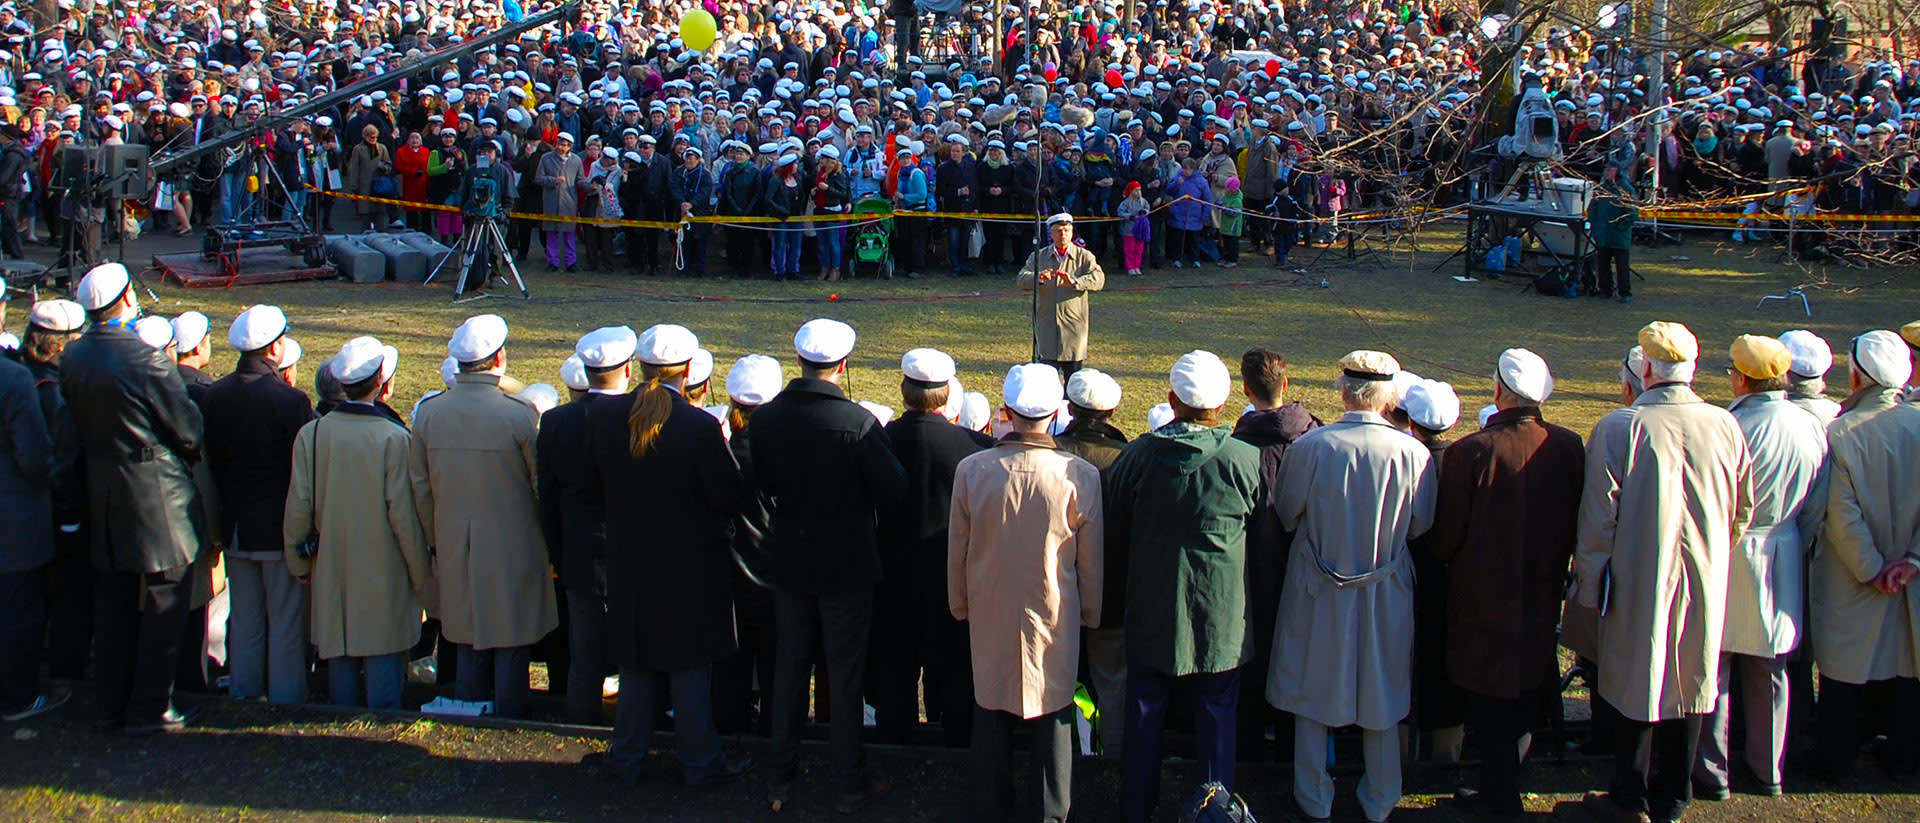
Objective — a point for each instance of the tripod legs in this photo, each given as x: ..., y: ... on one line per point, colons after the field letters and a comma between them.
x: 481, y: 237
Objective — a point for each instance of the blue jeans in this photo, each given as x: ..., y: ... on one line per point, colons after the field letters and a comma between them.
x: 832, y: 241
x: 694, y: 735
x: 1216, y: 701
x: 383, y: 677
x: 786, y: 252
x: 296, y: 203
x: 959, y: 233
x: 233, y: 196
x: 497, y: 673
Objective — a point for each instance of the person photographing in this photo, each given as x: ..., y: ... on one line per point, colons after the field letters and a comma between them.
x: 486, y: 194
x: 1062, y: 275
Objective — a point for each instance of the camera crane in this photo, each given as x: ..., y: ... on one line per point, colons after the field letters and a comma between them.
x: 223, y: 242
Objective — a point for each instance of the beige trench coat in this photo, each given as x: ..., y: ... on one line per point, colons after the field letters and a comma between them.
x: 1669, y: 489
x: 1063, y: 322
x: 1355, y: 491
x: 1766, y: 585
x: 473, y: 470
x: 1873, y: 518
x: 373, y: 562
x: 1024, y: 570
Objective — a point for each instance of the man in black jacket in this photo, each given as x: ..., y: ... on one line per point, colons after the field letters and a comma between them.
x: 1092, y: 397
x: 912, y: 627
x: 140, y: 434
x: 1271, y: 425
x: 252, y: 417
x: 643, y: 196
x: 26, y: 545
x: 13, y: 167
x: 829, y: 468
x: 572, y: 517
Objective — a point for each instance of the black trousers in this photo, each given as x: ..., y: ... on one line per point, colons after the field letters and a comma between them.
x: 745, y: 253
x: 69, y: 585
x: 643, y: 250
x: 1841, y: 730
x: 1610, y: 273
x: 1066, y: 367
x: 743, y: 681
x: 1653, y: 764
x: 23, y: 620
x: 140, y: 620
x: 992, y: 764
x: 894, y: 681
x: 838, y: 623
x: 1498, y: 724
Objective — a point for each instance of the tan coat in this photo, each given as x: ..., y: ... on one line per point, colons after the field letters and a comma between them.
x: 1024, y: 570
x: 1063, y: 323
x: 1873, y: 518
x: 473, y: 469
x: 1766, y: 585
x: 353, y: 483
x: 1668, y: 491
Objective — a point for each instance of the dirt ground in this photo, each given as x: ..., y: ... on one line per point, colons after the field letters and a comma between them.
x: 260, y: 763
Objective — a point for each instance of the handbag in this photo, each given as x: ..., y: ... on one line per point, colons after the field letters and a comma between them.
x: 976, y: 240
x: 306, y: 549
x: 386, y: 185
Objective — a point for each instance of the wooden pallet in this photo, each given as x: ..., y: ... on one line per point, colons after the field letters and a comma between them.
x: 257, y: 265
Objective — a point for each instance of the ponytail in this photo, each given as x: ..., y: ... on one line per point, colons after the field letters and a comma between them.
x: 651, y: 405
x: 737, y: 416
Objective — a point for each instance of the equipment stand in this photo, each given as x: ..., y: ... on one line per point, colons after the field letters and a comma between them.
x: 481, y: 236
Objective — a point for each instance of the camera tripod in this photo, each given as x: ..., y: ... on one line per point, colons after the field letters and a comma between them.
x: 480, y: 236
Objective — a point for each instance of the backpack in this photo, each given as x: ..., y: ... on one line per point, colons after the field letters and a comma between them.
x: 1557, y: 283
x: 1212, y: 803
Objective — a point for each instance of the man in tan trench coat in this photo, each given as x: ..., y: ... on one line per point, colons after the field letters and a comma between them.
x: 1024, y: 572
x: 1866, y: 618
x: 351, y: 483
x: 1066, y: 275
x: 1668, y: 490
x: 473, y: 476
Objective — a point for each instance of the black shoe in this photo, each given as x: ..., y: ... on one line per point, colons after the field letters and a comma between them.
x: 1626, y: 298
x: 852, y: 802
x: 41, y: 704
x: 551, y: 268
x: 1710, y: 794
x: 729, y: 770
x: 108, y: 725
x: 779, y: 792
x: 570, y: 270
x: 172, y: 721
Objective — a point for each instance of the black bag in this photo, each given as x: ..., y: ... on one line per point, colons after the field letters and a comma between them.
x: 1557, y: 283
x: 1212, y: 803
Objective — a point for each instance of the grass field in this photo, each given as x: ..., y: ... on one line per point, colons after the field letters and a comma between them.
x: 1393, y: 301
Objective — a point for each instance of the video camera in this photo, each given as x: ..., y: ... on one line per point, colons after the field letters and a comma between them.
x: 483, y: 194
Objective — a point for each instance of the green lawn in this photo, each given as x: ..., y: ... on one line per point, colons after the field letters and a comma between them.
x: 1393, y: 301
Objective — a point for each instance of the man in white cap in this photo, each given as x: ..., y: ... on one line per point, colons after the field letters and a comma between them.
x: 1092, y: 397
x: 26, y: 544
x: 1179, y: 499
x: 571, y: 516
x: 1430, y: 408
x: 1807, y: 376
x: 52, y: 325
x: 145, y: 524
x: 1864, y: 606
x: 1652, y: 556
x: 1024, y: 576
x: 1504, y: 524
x: 193, y: 351
x: 473, y: 483
x: 1354, y: 492
x: 912, y: 631
x: 1271, y: 424
x: 1766, y: 578
x: 559, y: 175
x: 252, y: 419
x: 1062, y: 275
x: 371, y: 566
x: 827, y: 465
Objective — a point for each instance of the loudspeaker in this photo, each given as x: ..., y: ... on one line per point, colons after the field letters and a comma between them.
x: 126, y: 169
x: 75, y: 165
x: 1824, y: 31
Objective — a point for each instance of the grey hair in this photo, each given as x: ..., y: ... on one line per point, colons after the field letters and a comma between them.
x: 1809, y: 386
x: 1366, y: 394
x: 1662, y: 371
x: 326, y: 385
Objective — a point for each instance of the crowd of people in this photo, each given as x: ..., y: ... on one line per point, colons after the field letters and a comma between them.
x: 727, y: 541
x: 1261, y: 121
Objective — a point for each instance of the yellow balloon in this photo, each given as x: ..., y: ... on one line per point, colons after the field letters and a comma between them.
x: 697, y: 29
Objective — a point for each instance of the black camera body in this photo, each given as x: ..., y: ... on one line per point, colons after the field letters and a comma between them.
x: 483, y: 195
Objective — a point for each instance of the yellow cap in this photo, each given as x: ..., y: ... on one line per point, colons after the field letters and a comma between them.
x: 1911, y: 333
x: 1760, y: 358
x: 1669, y: 342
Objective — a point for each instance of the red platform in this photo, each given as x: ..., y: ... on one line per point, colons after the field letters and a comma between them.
x: 257, y: 265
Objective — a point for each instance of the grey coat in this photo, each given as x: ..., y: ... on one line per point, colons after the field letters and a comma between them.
x: 26, y: 473
x: 1873, y: 519
x: 1766, y: 584
x: 558, y: 180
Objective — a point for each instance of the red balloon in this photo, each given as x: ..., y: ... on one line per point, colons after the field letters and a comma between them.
x: 1273, y: 69
x: 1052, y: 72
x: 1114, y: 79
